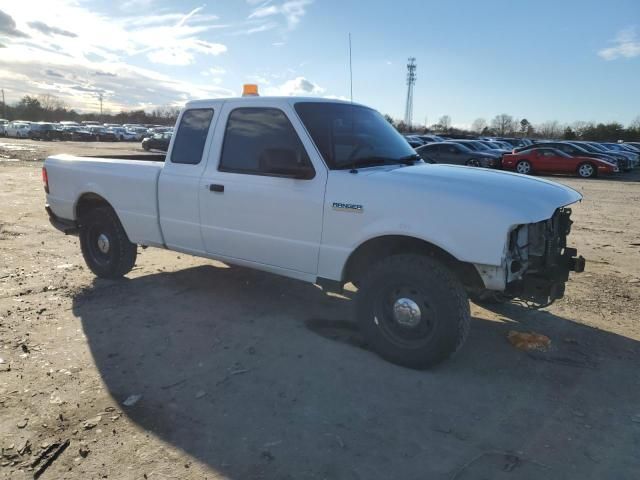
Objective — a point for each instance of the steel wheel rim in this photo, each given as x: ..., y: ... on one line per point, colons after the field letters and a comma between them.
x: 100, y: 245
x: 404, y: 315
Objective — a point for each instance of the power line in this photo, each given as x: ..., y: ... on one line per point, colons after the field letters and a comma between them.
x: 411, y: 80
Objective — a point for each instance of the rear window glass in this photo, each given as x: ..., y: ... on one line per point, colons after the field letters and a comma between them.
x: 192, y: 135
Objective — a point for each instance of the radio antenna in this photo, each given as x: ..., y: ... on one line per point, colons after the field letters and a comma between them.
x: 350, y: 70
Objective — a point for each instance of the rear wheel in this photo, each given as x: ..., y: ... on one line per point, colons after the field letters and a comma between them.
x: 105, y: 246
x: 586, y: 170
x: 412, y: 310
x: 523, y: 167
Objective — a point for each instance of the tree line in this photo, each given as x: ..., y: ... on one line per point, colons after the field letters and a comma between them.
x: 49, y: 108
x: 505, y: 125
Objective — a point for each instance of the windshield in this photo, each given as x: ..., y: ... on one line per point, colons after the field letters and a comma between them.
x: 470, y: 146
x: 597, y: 147
x: 478, y: 145
x: 352, y: 135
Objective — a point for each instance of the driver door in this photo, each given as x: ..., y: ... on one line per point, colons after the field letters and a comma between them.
x: 249, y: 211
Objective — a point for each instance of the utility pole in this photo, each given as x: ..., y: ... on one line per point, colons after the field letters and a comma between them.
x: 4, y: 106
x: 100, y: 98
x: 411, y: 80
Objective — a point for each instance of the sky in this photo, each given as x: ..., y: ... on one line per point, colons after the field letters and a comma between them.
x: 542, y: 60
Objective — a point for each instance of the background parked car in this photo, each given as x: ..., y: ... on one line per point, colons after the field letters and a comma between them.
x: 78, y: 134
x: 44, y: 131
x: 575, y: 150
x: 457, y: 154
x: 633, y: 157
x: 3, y: 126
x: 101, y: 134
x: 123, y: 134
x: 160, y: 141
x: 18, y: 129
x: 551, y: 160
x: 597, y: 148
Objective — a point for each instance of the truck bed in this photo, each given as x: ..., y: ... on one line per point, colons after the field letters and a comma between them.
x: 129, y: 183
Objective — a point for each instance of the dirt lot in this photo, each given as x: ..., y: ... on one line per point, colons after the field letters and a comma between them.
x: 246, y: 375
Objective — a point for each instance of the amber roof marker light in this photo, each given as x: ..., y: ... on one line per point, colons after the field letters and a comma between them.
x: 250, y: 90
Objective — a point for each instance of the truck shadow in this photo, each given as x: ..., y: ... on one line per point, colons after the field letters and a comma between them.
x: 231, y: 372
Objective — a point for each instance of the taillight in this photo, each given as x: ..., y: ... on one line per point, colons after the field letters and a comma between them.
x: 45, y: 179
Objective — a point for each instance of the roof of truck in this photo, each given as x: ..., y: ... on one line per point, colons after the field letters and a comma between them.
x: 266, y: 99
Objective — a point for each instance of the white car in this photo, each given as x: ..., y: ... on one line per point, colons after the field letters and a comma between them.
x: 123, y: 134
x: 329, y: 193
x: 18, y: 129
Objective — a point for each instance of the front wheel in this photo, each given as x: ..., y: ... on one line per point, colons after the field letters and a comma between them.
x: 412, y: 310
x: 586, y: 170
x: 105, y: 246
x: 473, y: 163
x: 523, y: 167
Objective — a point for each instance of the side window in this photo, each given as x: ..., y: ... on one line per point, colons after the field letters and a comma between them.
x: 262, y: 141
x: 191, y: 136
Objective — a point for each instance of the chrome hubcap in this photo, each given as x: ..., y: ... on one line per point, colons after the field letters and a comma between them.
x: 103, y: 243
x: 523, y: 168
x: 406, y: 312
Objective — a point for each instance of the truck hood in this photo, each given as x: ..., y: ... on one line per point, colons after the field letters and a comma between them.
x: 520, y: 198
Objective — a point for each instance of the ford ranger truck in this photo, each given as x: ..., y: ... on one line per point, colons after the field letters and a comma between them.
x: 327, y: 192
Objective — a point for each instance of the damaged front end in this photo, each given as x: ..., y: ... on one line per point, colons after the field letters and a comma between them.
x: 538, y: 260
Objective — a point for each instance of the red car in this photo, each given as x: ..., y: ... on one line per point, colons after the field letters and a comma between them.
x: 550, y: 160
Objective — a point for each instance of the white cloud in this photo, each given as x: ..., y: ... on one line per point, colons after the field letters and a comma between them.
x: 627, y: 45
x: 170, y: 38
x: 78, y: 82
x: 298, y: 86
x: 74, y: 52
x: 214, y: 72
x: 291, y: 10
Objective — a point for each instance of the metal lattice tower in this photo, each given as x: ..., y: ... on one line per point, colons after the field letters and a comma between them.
x: 411, y: 80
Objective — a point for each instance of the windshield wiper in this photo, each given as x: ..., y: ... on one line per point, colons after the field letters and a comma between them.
x: 374, y: 160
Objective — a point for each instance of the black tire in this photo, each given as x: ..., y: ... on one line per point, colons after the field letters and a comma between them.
x: 145, y: 146
x: 430, y: 286
x: 524, y: 167
x: 119, y: 256
x: 587, y: 170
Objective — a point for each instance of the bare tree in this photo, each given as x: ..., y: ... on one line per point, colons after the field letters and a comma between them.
x: 503, y: 124
x: 478, y: 125
x: 551, y: 129
x: 444, y: 122
x: 50, y: 102
x: 580, y: 127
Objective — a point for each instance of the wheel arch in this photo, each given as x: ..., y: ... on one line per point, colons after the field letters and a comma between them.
x: 89, y: 201
x: 377, y: 248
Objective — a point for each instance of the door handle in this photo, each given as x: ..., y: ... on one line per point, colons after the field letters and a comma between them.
x: 214, y: 187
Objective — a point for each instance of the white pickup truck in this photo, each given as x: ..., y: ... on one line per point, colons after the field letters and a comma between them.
x: 329, y: 193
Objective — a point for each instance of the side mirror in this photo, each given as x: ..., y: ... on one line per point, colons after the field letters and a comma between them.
x: 284, y: 162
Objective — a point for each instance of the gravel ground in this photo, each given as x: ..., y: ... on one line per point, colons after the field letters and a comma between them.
x: 191, y: 369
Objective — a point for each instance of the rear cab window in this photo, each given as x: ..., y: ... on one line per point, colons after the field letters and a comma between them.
x: 191, y: 136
